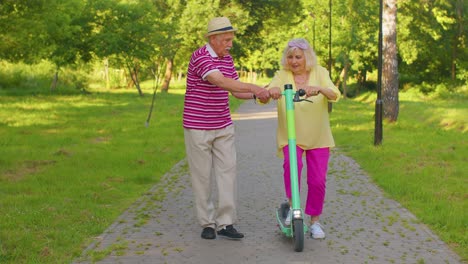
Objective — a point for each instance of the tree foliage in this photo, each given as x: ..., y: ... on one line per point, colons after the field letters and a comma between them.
x: 431, y: 46
x: 433, y: 41
x: 125, y: 32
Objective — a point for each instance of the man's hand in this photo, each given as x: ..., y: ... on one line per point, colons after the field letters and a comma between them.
x: 275, y: 93
x: 262, y: 94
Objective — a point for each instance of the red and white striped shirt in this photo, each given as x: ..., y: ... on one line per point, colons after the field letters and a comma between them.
x: 206, y: 106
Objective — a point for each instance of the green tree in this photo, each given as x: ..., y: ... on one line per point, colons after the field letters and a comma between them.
x: 259, y: 37
x: 460, y: 40
x: 170, y: 41
x: 126, y: 33
x: 141, y: 34
x: 360, y: 29
x: 68, y: 30
x: 54, y: 30
x: 192, y: 29
x: 354, y: 37
x: 22, y: 29
x: 433, y: 43
x: 262, y: 36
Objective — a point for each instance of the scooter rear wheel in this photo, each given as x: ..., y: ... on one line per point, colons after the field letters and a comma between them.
x: 298, y: 229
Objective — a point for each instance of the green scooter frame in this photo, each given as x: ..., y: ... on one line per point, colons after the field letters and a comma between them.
x: 297, y: 228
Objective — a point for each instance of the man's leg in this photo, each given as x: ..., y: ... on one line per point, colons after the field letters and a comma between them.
x: 199, y: 156
x: 224, y: 164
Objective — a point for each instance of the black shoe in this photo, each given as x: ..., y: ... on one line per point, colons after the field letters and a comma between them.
x: 230, y: 232
x: 208, y: 233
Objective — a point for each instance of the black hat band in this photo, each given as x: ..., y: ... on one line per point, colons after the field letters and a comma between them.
x: 222, y: 29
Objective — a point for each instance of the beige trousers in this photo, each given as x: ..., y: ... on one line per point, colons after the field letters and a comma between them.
x: 211, y: 155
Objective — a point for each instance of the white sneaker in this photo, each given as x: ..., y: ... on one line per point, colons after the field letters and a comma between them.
x: 316, y: 231
x: 287, y: 221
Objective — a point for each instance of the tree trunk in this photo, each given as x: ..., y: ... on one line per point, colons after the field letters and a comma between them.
x: 53, y: 85
x: 390, y: 62
x: 106, y: 72
x: 344, y: 77
x: 133, y: 81
x: 458, y: 36
x: 362, y: 78
x: 252, y: 76
x: 133, y: 71
x: 167, y: 75
x: 179, y: 76
x: 338, y: 80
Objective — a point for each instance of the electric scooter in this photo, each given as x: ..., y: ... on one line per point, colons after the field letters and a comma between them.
x: 297, y: 228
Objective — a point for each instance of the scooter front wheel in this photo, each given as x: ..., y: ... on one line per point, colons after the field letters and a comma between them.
x: 298, y: 232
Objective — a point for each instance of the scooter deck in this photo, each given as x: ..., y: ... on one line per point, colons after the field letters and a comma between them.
x: 281, y: 214
x: 280, y: 218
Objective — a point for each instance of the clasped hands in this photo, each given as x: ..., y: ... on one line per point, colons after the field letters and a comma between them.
x: 275, y: 92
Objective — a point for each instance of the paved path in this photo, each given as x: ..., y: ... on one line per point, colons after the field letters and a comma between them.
x: 362, y: 225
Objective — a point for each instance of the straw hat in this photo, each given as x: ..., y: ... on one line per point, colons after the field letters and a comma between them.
x: 219, y: 25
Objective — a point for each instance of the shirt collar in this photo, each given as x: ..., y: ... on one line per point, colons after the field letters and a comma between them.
x: 211, y: 51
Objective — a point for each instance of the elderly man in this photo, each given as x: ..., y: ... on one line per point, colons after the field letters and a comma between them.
x: 209, y: 130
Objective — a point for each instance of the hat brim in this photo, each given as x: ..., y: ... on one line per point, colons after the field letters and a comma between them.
x: 220, y: 32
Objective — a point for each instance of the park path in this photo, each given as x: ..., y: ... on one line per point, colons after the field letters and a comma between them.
x: 362, y: 225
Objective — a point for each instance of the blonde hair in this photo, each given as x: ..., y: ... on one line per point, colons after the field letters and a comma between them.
x: 299, y: 44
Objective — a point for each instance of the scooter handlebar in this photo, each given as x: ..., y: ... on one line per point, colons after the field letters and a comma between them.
x: 298, y: 94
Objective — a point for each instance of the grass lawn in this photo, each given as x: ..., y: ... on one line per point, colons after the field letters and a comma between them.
x: 71, y: 164
x: 422, y: 161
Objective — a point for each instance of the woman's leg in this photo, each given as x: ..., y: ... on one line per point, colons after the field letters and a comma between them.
x: 287, y: 170
x: 317, y: 166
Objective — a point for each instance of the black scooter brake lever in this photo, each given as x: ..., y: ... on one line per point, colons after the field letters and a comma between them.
x: 299, y: 93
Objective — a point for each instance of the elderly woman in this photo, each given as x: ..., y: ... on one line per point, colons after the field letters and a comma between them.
x: 313, y: 134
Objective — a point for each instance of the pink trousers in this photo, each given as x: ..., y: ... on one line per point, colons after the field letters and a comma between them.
x: 317, y: 166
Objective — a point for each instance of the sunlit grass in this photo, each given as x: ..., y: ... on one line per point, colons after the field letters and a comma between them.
x: 69, y: 165
x: 421, y: 162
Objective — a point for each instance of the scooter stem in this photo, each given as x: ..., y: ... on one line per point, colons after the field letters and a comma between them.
x: 290, y: 118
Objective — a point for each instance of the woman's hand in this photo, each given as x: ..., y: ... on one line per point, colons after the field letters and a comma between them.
x: 315, y: 90
x: 312, y: 90
x: 275, y: 93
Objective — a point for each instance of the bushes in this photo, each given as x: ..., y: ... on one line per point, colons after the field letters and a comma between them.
x: 445, y: 89
x: 442, y: 90
x: 23, y: 78
x: 354, y: 89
